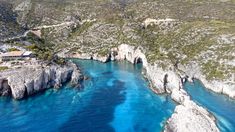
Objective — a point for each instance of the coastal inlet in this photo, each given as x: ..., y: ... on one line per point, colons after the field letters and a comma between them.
x: 116, y: 97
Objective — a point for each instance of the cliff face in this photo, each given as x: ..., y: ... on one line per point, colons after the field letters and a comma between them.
x: 196, y: 42
x: 226, y: 86
x: 161, y: 79
x: 27, y: 81
x: 167, y: 80
x: 173, y: 32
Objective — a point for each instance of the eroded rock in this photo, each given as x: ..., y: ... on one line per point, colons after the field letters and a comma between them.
x: 29, y: 80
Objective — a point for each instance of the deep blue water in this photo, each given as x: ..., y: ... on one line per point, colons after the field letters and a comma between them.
x: 115, y: 98
x: 221, y: 106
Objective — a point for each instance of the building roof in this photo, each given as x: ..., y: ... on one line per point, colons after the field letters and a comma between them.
x: 12, y: 53
x: 26, y: 53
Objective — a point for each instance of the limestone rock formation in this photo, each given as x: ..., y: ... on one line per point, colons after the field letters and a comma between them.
x: 77, y: 76
x: 226, y: 87
x: 29, y: 80
x: 188, y: 116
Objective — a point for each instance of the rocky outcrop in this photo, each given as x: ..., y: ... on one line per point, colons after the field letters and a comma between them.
x: 163, y: 80
x: 188, y: 116
x: 29, y: 80
x: 77, y: 76
x: 191, y: 118
x: 226, y: 87
x: 223, y: 87
x: 154, y: 72
x: 101, y: 58
x: 130, y: 53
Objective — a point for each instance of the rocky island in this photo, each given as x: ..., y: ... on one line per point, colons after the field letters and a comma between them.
x: 175, y: 41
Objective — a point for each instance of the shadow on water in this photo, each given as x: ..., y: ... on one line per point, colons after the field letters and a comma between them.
x: 103, y: 104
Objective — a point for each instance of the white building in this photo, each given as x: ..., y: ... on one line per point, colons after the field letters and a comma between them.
x: 15, y: 55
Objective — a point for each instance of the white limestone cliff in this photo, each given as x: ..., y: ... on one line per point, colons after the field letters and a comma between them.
x: 29, y: 80
x: 194, y: 117
x: 188, y: 116
x: 227, y: 87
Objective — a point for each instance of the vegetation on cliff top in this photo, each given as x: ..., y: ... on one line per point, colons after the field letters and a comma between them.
x: 198, y: 33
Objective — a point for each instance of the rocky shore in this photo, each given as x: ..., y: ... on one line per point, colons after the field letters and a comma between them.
x: 188, y: 116
x: 156, y: 74
x: 170, y: 81
x: 226, y: 87
x: 29, y: 80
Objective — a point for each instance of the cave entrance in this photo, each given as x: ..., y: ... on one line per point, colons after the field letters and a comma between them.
x: 5, y: 90
x: 138, y: 60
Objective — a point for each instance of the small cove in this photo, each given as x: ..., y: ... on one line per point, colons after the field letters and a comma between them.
x: 116, y: 97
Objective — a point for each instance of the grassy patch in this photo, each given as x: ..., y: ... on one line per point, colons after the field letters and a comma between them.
x: 103, y: 52
x: 2, y: 68
x: 213, y: 70
x: 80, y: 29
x: 12, y: 49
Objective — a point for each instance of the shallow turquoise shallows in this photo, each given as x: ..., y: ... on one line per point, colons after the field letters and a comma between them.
x: 115, y: 98
x: 221, y: 106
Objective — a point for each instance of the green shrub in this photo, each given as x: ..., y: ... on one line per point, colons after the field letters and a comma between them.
x: 12, y: 49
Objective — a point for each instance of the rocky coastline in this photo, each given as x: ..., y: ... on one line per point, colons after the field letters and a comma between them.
x: 23, y: 82
x: 155, y: 73
x: 226, y: 87
x: 163, y: 81
x: 169, y: 81
x: 201, y: 39
x: 20, y: 83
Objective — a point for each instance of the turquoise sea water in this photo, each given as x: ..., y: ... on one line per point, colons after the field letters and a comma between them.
x: 221, y: 106
x: 114, y: 98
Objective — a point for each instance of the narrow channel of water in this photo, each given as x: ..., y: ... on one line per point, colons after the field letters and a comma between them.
x: 221, y: 106
x: 115, y: 98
